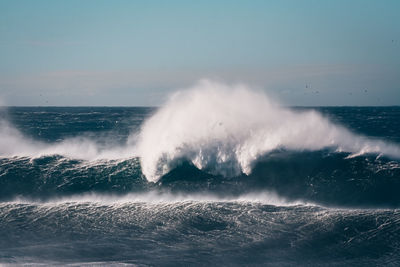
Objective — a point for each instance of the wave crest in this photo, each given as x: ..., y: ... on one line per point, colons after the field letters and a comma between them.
x: 224, y: 129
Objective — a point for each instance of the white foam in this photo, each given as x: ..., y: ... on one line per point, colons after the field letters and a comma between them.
x: 224, y: 129
x: 14, y: 143
x: 220, y: 128
x: 165, y: 197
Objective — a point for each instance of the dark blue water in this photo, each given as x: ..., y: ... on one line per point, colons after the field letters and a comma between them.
x: 295, y: 208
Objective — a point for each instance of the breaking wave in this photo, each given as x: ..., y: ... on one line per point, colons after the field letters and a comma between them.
x: 225, y: 129
x: 220, y: 129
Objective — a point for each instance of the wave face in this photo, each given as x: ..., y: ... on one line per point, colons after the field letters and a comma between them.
x: 220, y: 175
x: 321, y: 177
x: 225, y: 129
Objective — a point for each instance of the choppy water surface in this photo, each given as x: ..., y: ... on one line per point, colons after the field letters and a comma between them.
x: 205, y: 179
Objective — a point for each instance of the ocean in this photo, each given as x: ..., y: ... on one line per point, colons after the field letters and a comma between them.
x: 210, y: 178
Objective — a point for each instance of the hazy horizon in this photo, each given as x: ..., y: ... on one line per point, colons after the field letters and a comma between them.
x: 123, y: 53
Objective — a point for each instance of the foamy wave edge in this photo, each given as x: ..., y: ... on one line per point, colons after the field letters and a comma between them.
x: 221, y: 129
x: 160, y: 197
x: 224, y: 129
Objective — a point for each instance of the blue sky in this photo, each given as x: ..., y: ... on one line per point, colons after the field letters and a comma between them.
x: 135, y: 52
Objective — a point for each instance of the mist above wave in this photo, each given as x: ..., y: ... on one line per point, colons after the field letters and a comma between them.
x: 14, y: 143
x: 224, y: 129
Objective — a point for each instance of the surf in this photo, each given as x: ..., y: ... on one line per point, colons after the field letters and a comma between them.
x: 224, y: 129
x: 221, y: 129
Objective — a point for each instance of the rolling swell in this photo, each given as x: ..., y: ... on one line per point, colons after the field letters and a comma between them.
x: 55, y: 176
x: 322, y: 177
x: 197, y: 233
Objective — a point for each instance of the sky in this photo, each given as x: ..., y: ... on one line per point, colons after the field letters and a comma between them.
x: 135, y: 53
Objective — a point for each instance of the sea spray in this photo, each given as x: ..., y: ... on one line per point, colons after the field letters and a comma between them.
x: 224, y: 129
x: 15, y: 143
x: 221, y: 129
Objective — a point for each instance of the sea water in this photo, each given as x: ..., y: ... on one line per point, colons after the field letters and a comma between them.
x: 218, y: 175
